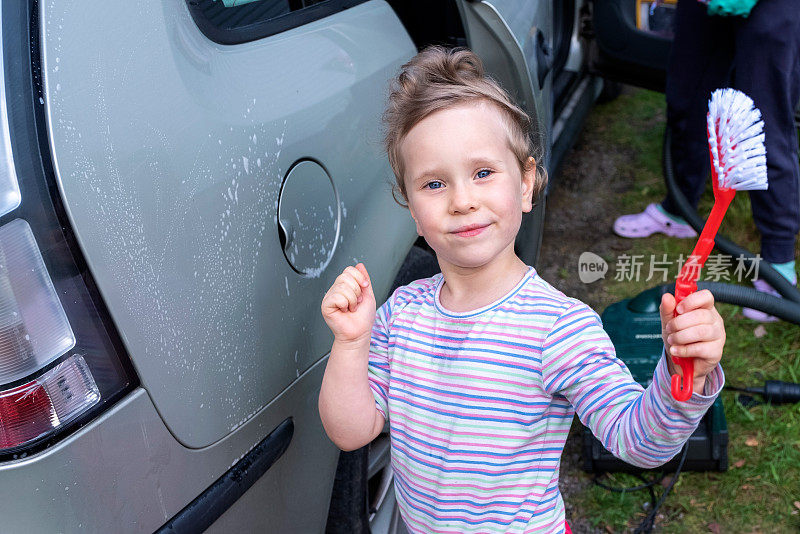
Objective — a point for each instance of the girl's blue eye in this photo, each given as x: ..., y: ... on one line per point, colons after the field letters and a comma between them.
x: 434, y: 183
x: 484, y: 173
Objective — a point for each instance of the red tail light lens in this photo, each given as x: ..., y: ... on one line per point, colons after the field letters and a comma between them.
x: 26, y: 413
x: 35, y: 409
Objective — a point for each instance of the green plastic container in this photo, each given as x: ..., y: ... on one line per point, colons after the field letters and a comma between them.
x: 634, y: 326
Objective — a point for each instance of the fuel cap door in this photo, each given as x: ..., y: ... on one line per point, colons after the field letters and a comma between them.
x: 308, y: 217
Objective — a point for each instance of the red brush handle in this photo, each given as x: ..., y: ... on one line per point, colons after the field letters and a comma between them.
x: 686, y: 284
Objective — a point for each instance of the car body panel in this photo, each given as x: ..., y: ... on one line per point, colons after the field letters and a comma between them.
x: 511, y: 37
x: 125, y: 472
x: 172, y: 189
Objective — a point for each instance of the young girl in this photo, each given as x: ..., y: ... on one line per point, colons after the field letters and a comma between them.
x: 480, y: 369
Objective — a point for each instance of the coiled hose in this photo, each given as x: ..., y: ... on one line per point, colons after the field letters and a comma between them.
x: 749, y: 298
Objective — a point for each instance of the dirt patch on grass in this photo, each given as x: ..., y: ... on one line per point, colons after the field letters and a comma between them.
x: 580, y: 211
x: 585, y: 198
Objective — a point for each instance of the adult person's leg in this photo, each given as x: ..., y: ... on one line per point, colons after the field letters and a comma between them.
x: 767, y: 68
x: 700, y: 62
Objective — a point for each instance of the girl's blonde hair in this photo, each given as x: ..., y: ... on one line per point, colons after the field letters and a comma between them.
x: 440, y: 78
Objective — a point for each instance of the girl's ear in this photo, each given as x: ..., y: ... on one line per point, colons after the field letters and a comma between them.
x: 528, y: 183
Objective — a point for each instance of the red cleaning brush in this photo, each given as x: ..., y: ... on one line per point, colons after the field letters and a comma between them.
x: 738, y: 163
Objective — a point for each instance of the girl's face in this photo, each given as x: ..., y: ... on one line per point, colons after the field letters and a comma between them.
x: 465, y: 189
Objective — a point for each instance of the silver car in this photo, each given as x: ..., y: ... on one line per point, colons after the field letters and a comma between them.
x: 180, y: 183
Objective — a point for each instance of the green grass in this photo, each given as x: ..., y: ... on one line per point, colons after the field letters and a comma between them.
x: 758, y: 492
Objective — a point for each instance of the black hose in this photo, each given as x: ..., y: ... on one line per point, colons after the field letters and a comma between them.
x: 765, y: 270
x: 648, y: 485
x: 646, y: 526
x: 748, y: 297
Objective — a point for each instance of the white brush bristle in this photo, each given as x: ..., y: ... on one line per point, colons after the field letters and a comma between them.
x: 736, y: 141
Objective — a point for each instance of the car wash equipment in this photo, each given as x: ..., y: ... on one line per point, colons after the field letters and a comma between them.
x: 634, y: 327
x: 738, y: 163
x: 750, y: 261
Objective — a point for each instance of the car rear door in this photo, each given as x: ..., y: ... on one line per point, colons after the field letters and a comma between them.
x: 215, y: 162
x: 514, y: 40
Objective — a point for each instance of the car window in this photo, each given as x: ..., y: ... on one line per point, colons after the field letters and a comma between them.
x: 240, y: 21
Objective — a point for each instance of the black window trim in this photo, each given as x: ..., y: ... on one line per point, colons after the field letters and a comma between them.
x: 269, y: 27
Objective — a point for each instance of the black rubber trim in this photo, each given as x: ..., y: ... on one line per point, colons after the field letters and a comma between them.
x: 268, y: 27
x: 569, y: 134
x: 222, y: 494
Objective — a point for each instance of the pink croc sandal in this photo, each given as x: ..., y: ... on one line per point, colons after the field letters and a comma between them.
x: 758, y: 315
x: 649, y: 222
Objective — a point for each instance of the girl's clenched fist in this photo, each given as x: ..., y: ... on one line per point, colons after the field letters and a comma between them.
x: 349, y: 305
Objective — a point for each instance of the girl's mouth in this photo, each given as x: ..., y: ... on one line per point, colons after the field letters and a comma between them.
x: 470, y: 230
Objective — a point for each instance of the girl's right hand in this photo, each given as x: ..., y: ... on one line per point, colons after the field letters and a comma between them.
x: 349, y: 305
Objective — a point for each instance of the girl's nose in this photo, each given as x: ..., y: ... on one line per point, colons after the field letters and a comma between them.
x: 463, y: 199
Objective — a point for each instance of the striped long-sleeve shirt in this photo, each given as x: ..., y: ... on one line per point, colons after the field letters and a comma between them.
x: 479, y: 404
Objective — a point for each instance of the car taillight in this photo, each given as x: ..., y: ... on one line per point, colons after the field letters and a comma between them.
x: 40, y: 406
x: 62, y: 362
x: 34, y: 330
